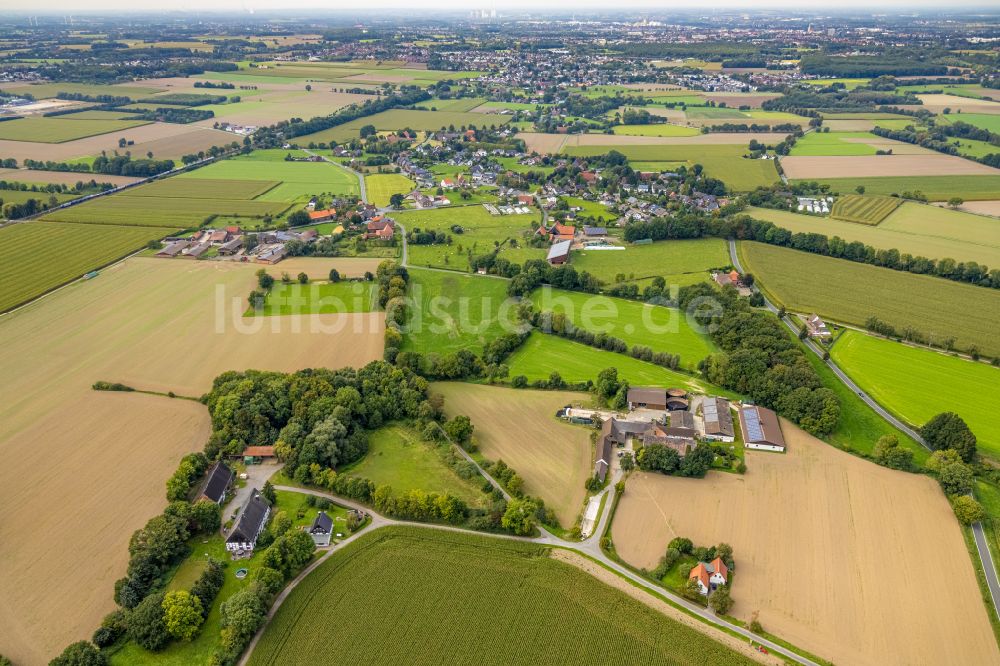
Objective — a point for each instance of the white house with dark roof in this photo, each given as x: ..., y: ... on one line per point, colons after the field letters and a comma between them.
x: 321, y: 529
x: 249, y: 524
x: 216, y: 483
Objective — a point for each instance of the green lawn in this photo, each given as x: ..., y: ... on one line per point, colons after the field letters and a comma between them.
x: 58, y: 130
x: 470, y: 599
x: 542, y: 354
x: 833, y: 143
x: 381, y: 187
x: 918, y: 229
x: 319, y: 298
x: 852, y: 292
x: 986, y: 121
x: 935, y: 188
x: 167, y: 212
x: 659, y: 328
x: 398, y: 457
x: 916, y: 384
x: 39, y: 256
x: 680, y: 261
x: 591, y: 209
x: 299, y: 180
x: 455, y: 311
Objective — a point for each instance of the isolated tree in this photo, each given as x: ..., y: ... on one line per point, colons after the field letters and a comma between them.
x: 267, y: 491
x: 334, y: 275
x: 860, y: 189
x: 396, y: 200
x: 367, y: 130
x: 298, y: 218
x: 968, y: 510
x: 720, y: 601
x: 627, y: 462
x: 955, y: 202
x: 264, y: 280
x: 948, y: 431
x: 308, y: 88
x: 459, y: 429
x: 182, y: 614
x: 303, y: 278
x: 81, y: 653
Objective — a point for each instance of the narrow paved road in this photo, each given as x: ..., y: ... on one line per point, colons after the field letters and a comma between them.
x: 589, y: 548
x: 985, y: 558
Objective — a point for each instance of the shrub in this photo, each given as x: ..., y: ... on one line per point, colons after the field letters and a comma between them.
x: 146, y: 625
x: 81, y: 653
x: 968, y: 510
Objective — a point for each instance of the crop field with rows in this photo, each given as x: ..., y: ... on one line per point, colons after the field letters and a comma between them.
x: 864, y: 210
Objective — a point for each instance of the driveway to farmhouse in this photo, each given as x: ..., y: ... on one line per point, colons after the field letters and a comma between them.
x: 256, y: 476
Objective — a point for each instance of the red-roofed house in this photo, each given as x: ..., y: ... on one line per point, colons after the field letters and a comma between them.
x: 710, y: 575
x: 525, y: 199
x: 380, y: 228
x: 561, y: 232
x: 589, y: 177
x: 322, y: 215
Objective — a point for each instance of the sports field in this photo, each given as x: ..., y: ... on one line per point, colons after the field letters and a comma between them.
x: 399, y: 458
x: 919, y: 229
x: 916, y: 384
x: 935, y: 188
x: 430, y: 584
x: 381, y: 187
x: 39, y: 256
x: 453, y: 311
x: 519, y: 426
x: 58, y: 129
x: 841, y: 518
x: 680, y: 261
x: 864, y: 209
x: 659, y: 328
x: 543, y: 354
x: 851, y: 292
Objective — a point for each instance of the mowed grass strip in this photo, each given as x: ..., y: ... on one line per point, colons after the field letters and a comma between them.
x: 916, y: 384
x: 935, y: 188
x: 542, y: 354
x: 381, y: 187
x: 662, y: 258
x: 318, y: 298
x: 173, y: 213
x: 662, y: 329
x: 431, y: 584
x: 207, y: 188
x: 399, y: 458
x: 917, y: 229
x: 864, y: 210
x: 851, y: 292
x: 39, y: 256
x: 453, y: 311
x: 58, y: 130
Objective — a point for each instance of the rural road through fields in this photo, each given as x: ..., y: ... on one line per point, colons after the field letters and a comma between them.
x: 360, y: 176
x: 589, y: 548
x: 985, y: 558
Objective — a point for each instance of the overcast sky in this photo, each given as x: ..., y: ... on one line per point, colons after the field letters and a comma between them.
x: 368, y: 6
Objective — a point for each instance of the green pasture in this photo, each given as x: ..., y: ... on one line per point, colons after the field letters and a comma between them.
x: 57, y: 129
x: 935, y: 188
x: 834, y: 144
x: 318, y: 298
x: 671, y: 259
x: 399, y: 119
x: 299, y: 180
x: 381, y: 187
x: 656, y: 129
x: 167, y: 212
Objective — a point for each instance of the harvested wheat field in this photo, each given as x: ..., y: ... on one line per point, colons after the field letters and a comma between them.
x: 153, y: 324
x: 318, y: 268
x: 92, y: 467
x: 856, y: 563
x: 991, y: 208
x: 520, y: 427
x: 539, y: 142
x: 735, y: 100
x: 938, y: 103
x: 60, y: 177
x: 864, y: 166
x: 713, y: 139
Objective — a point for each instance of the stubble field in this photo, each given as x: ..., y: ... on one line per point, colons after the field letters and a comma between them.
x: 813, y: 168
x: 97, y: 462
x: 854, y: 562
x: 520, y: 427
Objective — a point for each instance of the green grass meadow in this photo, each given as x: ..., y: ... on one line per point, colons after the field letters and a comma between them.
x: 59, y: 130
x: 915, y: 384
x: 680, y: 261
x: 381, y: 187
x: 319, y: 298
x: 469, y: 599
x: 935, y: 188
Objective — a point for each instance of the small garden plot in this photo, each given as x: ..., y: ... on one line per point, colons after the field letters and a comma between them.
x: 864, y: 210
x: 56, y: 129
x: 381, y: 187
x: 318, y: 298
x: 203, y: 188
x: 399, y: 458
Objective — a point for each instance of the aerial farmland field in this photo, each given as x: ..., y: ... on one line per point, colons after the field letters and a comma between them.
x: 659, y: 328
x: 919, y: 229
x: 935, y: 188
x: 43, y: 255
x: 679, y: 261
x: 398, y: 119
x: 864, y: 209
x: 855, y: 166
x: 318, y: 297
x: 432, y: 581
x: 168, y: 212
x: 851, y: 292
x: 519, y: 426
x: 381, y: 187
x: 818, y: 509
x: 659, y: 129
x: 60, y: 129
x: 916, y: 384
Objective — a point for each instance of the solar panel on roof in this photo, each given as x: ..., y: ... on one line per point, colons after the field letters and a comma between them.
x: 754, y: 431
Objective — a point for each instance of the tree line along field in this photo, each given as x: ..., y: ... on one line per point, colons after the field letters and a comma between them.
x: 542, y: 354
x: 850, y: 292
x: 935, y: 188
x: 864, y: 209
x: 917, y: 229
x: 453, y: 311
x: 519, y: 426
x: 916, y: 384
x: 433, y: 585
x: 60, y: 129
x: 398, y: 119
x: 40, y: 256
x: 662, y: 329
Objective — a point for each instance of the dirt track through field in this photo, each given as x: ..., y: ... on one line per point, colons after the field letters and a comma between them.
x: 520, y: 427
x: 83, y: 469
x: 854, y: 562
x: 882, y: 165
